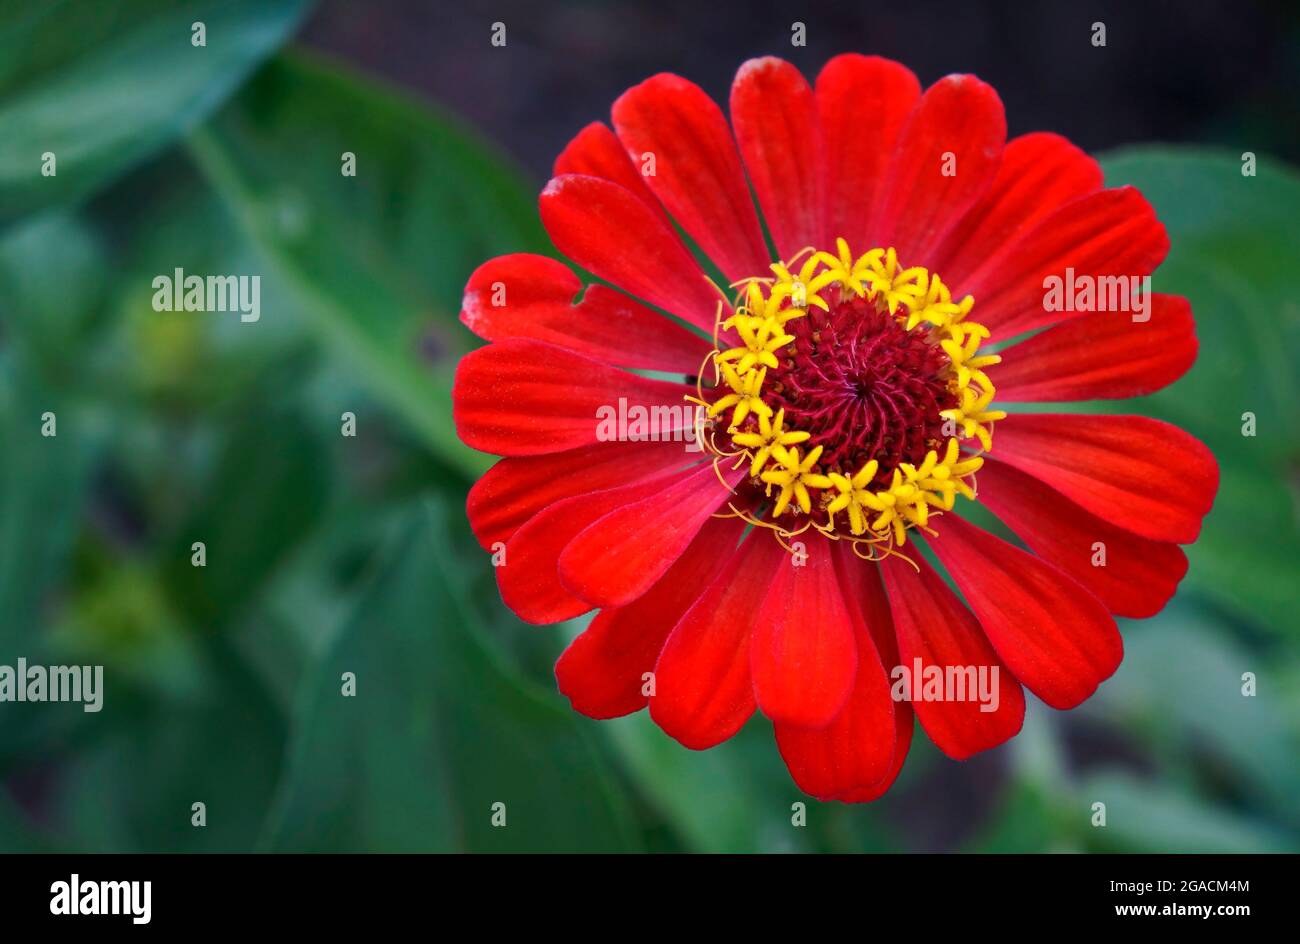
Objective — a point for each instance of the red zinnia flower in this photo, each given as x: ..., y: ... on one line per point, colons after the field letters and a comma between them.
x: 849, y: 407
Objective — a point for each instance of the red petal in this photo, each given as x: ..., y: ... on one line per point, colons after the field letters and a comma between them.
x: 521, y: 397
x: 529, y: 580
x: 1039, y: 172
x: 926, y: 192
x: 1139, y: 575
x: 1105, y: 234
x: 536, y: 297
x: 620, y: 556
x: 875, y: 613
x: 602, y: 672
x: 703, y: 693
x: 935, y: 629
x: 775, y: 117
x: 515, y: 489
x: 1052, y: 633
x: 862, y: 102
x: 903, y: 725
x: 697, y: 170
x: 804, y: 655
x: 860, y: 748
x: 597, y: 152
x: 1103, y: 356
x: 1138, y: 473
x: 617, y: 237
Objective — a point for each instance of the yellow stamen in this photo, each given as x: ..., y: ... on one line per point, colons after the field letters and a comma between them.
x: 878, y: 518
x: 973, y: 415
x: 744, y: 394
x: 762, y: 338
x: 794, y: 477
x: 770, y: 436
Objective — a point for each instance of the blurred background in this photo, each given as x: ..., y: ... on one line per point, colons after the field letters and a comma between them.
x: 328, y: 554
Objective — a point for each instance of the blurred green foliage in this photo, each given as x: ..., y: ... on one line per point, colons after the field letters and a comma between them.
x: 329, y: 555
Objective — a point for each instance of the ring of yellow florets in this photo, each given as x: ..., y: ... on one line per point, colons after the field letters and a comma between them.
x: 868, y: 504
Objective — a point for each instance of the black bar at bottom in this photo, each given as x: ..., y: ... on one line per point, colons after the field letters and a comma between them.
x: 220, y: 893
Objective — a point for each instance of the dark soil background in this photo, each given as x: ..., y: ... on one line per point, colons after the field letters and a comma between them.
x: 1212, y: 72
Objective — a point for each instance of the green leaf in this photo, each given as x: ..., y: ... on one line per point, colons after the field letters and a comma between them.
x: 50, y: 272
x: 1027, y: 820
x: 43, y: 486
x: 222, y: 745
x: 180, y: 362
x: 712, y: 798
x: 379, y: 259
x: 1193, y: 705
x: 1144, y: 816
x: 45, y: 269
x: 267, y: 491
x: 437, y: 731
x: 1233, y: 255
x: 52, y: 278
x: 102, y: 86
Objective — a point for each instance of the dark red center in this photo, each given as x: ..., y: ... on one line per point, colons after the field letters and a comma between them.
x: 864, y: 387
